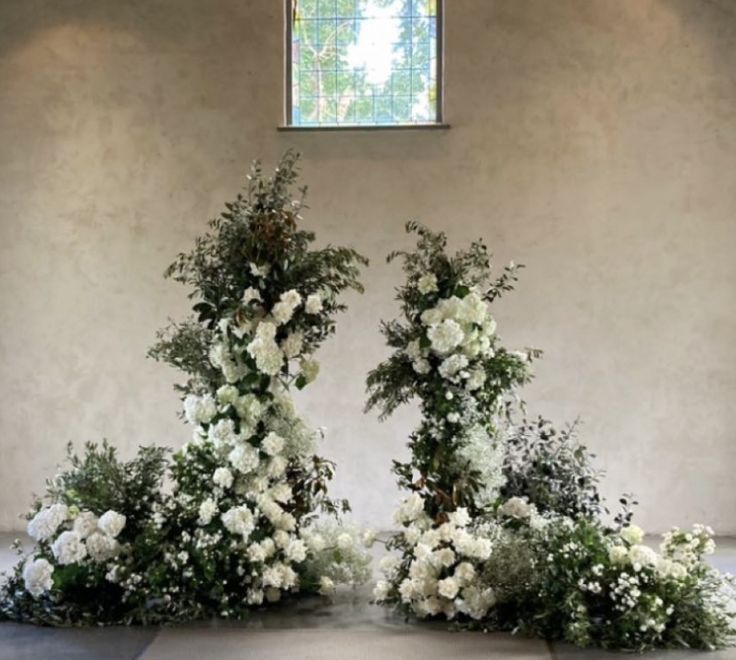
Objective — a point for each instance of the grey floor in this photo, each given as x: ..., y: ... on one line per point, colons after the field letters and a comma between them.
x: 346, y: 628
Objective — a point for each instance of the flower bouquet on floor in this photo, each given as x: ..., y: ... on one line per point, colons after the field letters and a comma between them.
x: 502, y: 526
x: 239, y: 525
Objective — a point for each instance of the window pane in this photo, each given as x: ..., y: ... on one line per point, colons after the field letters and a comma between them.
x: 364, y: 62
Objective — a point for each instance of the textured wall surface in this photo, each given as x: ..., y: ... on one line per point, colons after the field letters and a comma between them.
x: 592, y: 140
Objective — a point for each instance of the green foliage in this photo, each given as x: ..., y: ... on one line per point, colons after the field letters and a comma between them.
x: 256, y: 242
x: 551, y: 470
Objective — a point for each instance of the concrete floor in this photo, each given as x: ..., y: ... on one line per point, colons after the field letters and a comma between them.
x: 346, y: 628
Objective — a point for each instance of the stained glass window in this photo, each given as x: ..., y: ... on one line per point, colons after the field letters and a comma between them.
x: 364, y: 63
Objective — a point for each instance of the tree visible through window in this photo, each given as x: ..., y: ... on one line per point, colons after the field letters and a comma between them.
x: 364, y: 62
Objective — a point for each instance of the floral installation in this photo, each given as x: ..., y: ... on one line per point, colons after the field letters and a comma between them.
x: 240, y: 525
x: 502, y: 528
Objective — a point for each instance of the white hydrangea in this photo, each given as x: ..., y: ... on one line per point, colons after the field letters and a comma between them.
x: 199, y: 409
x: 273, y: 444
x: 112, y: 523
x: 632, y: 534
x: 251, y: 294
x: 84, y: 524
x: 284, y: 309
x: 448, y: 587
x: 516, y: 507
x: 244, y: 458
x: 293, y: 344
x: 264, y: 349
x: 642, y: 556
x: 239, y: 520
x: 296, y: 551
x: 227, y: 394
x: 207, y: 511
x: 452, y: 365
x: 222, y: 433
x: 102, y: 547
x: 445, y: 336
x: 410, y: 509
x: 618, y: 554
x: 326, y: 585
x: 38, y: 576
x: 223, y: 477
x: 45, y: 523
x: 427, y: 283
x: 309, y: 369
x: 68, y: 548
x: 313, y: 305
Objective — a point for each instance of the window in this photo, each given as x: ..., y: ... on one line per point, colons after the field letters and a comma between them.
x: 353, y: 63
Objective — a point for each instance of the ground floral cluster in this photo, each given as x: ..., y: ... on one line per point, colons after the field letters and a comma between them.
x: 240, y: 525
x: 502, y: 528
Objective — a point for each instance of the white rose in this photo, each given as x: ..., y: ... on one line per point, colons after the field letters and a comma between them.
x: 445, y: 336
x: 516, y: 507
x: 37, y: 576
x: 112, y: 523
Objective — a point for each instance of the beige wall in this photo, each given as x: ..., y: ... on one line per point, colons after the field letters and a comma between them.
x: 593, y: 140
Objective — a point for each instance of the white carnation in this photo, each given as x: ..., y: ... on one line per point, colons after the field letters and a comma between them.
x: 222, y: 433
x: 618, y: 554
x: 68, y: 548
x: 37, y: 576
x: 250, y: 294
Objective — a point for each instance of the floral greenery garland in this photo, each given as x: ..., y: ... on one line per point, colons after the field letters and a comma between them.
x: 240, y: 525
x: 501, y: 530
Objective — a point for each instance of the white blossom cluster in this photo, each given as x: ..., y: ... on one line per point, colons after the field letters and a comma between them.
x: 70, y: 537
x: 254, y: 437
x: 443, y: 573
